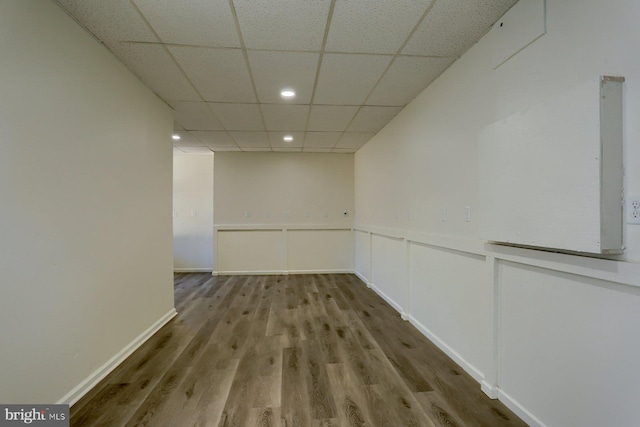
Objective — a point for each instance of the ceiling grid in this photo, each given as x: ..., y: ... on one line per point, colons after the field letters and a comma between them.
x: 221, y: 64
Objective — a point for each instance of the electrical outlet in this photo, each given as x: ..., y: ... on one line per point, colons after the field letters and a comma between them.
x: 443, y: 214
x: 633, y: 210
x: 467, y: 213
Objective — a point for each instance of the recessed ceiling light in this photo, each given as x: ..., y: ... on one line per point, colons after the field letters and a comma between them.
x: 288, y: 138
x: 175, y: 137
x: 287, y: 93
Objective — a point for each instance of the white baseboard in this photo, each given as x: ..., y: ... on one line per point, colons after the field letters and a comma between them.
x: 361, y: 277
x: 250, y: 273
x: 519, y: 410
x: 468, y: 367
x: 389, y: 300
x: 490, y: 390
x: 192, y: 270
x: 344, y: 271
x: 98, y: 375
x: 278, y: 272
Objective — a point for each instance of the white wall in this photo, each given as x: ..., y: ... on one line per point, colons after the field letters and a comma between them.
x: 283, y: 212
x: 552, y: 335
x: 192, y: 212
x: 85, y: 188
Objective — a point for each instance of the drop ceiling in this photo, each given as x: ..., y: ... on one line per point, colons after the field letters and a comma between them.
x: 221, y: 64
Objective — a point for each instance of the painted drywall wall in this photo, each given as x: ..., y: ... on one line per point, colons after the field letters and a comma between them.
x: 192, y: 212
x: 269, y: 205
x: 313, y: 188
x: 85, y: 189
x: 530, y: 326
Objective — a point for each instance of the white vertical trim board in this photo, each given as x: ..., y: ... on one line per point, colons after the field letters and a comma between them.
x: 99, y: 374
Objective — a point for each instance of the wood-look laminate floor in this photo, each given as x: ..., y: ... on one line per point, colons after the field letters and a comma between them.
x: 300, y: 350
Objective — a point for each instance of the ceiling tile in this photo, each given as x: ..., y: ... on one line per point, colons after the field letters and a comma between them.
x: 194, y: 22
x: 273, y: 71
x: 177, y: 150
x: 286, y: 118
x: 186, y: 140
x: 155, y: 67
x: 330, y: 118
x: 343, y: 150
x: 251, y: 139
x: 372, y: 119
x: 321, y: 139
x: 220, y: 75
x: 238, y: 116
x: 110, y: 20
x: 277, y: 141
x: 214, y: 139
x: 406, y: 78
x: 195, y: 116
x: 373, y: 26
x: 354, y: 140
x: 453, y: 26
x: 177, y: 126
x: 196, y: 150
x: 282, y: 24
x: 348, y: 79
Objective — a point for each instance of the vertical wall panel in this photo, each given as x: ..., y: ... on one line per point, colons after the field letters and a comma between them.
x: 570, y: 346
x: 363, y: 255
x: 389, y: 273
x: 452, y: 298
x: 250, y: 251
x: 319, y: 250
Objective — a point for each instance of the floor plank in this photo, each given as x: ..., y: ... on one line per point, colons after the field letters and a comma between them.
x: 285, y: 351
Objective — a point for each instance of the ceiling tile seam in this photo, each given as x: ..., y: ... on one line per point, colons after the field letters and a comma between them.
x: 177, y: 64
x: 195, y: 46
x: 333, y: 52
x: 393, y: 60
x: 320, y: 58
x: 248, y: 65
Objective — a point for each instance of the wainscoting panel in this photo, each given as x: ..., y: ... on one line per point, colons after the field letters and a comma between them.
x: 556, y: 337
x: 319, y: 251
x: 250, y: 251
x: 389, y: 272
x: 570, y: 346
x: 282, y: 249
x: 363, y: 255
x: 452, y: 300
